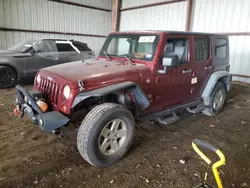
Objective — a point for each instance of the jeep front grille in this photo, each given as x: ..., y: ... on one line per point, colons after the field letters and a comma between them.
x: 50, y: 89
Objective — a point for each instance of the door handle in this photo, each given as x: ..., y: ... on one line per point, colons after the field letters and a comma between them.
x: 208, y: 67
x: 187, y: 71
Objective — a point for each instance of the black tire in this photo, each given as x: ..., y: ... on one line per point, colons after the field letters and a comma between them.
x: 211, y: 110
x: 91, y: 128
x: 8, y: 77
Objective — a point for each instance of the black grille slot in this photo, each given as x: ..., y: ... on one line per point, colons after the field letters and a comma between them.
x: 50, y: 89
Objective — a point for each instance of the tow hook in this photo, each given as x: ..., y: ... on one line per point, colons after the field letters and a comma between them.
x: 18, y: 111
x: 58, y: 132
x: 34, y: 120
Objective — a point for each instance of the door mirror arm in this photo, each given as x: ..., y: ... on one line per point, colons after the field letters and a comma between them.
x: 162, y: 71
x: 33, y: 51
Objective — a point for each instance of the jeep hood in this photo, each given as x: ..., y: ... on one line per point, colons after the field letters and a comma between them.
x: 96, y: 72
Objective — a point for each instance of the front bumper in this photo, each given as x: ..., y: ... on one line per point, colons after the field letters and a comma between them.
x: 47, y: 121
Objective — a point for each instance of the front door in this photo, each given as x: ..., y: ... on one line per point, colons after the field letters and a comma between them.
x: 201, y: 62
x: 173, y: 87
x: 45, y: 55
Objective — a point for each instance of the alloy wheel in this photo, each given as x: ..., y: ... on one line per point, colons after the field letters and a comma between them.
x: 112, y: 137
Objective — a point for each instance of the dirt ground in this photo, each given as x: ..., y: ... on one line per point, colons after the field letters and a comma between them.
x: 31, y: 158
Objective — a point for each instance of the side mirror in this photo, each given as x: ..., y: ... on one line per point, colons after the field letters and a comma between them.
x: 170, y: 61
x: 38, y: 51
x: 32, y: 51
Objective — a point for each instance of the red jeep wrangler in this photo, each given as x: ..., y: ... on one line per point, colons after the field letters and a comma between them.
x: 139, y: 75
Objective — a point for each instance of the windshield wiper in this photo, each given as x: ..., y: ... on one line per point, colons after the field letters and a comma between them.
x: 107, y: 55
x: 129, y: 59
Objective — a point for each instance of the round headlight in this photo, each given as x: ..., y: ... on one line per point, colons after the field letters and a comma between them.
x: 38, y: 78
x: 66, y: 91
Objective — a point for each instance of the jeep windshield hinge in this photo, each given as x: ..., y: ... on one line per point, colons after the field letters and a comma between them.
x: 81, y: 85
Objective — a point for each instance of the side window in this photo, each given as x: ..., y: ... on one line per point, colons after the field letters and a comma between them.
x: 82, y: 48
x: 220, y: 48
x: 64, y: 47
x: 177, y: 47
x: 201, y: 49
x: 45, y: 46
x: 46, y: 49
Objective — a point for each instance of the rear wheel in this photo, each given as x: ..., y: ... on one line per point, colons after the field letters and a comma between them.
x: 105, y: 134
x: 218, y: 97
x: 8, y: 77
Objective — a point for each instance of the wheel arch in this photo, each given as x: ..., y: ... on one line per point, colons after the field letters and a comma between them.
x: 125, y: 92
x: 11, y: 66
x: 222, y: 76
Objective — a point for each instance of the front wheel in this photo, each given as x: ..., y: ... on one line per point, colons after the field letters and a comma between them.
x: 105, y: 134
x: 8, y: 77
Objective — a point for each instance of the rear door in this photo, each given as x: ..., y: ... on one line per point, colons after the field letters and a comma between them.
x: 85, y: 51
x: 201, y: 62
x: 66, y: 52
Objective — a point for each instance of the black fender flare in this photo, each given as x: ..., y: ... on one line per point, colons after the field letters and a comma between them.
x: 132, y: 87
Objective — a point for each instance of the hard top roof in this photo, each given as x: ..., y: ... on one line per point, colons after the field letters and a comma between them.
x: 168, y: 32
x: 75, y: 41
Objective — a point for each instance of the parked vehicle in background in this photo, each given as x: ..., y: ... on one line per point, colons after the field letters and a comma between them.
x: 138, y: 75
x: 22, y: 61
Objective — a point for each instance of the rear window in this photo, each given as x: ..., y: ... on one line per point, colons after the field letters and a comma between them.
x: 220, y: 48
x: 82, y: 47
x: 64, y: 47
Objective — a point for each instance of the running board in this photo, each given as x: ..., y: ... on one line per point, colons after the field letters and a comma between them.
x: 168, y: 111
x: 196, y: 110
x: 166, y: 121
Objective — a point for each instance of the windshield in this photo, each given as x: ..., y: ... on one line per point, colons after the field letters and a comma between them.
x: 134, y: 46
x: 23, y: 46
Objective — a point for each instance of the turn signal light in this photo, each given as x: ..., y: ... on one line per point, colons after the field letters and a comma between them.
x: 64, y: 108
x: 42, y: 105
